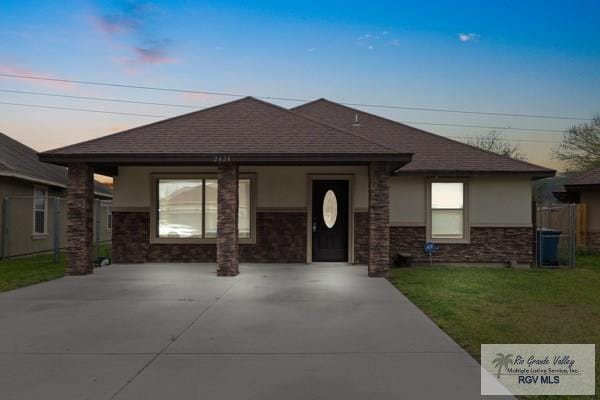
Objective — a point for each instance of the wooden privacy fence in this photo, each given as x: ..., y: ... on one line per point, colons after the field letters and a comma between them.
x: 559, y: 217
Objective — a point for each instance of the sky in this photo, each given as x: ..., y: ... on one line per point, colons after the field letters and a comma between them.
x: 534, y: 57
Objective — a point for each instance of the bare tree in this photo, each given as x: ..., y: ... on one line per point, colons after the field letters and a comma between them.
x: 496, y: 143
x: 580, y: 147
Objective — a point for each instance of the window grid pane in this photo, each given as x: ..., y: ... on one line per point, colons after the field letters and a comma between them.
x: 180, y: 208
x: 39, y: 222
x: 447, y: 195
x: 187, y: 208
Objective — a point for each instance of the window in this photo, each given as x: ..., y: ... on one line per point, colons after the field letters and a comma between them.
x: 186, y: 208
x: 447, y: 210
x: 109, y: 218
x: 40, y: 204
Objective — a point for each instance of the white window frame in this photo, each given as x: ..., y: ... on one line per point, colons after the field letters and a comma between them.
x: 466, y: 238
x: 154, y: 178
x: 45, y: 190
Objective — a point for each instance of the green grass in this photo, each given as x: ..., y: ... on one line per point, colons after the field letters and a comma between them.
x: 500, y: 305
x: 25, y: 271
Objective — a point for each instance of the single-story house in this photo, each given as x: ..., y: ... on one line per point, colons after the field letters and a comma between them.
x: 28, y: 188
x: 249, y: 181
x: 585, y: 189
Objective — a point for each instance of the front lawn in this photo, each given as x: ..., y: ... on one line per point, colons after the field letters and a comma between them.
x: 27, y: 271
x: 501, y: 305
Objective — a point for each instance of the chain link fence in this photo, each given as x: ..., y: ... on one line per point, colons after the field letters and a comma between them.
x: 35, y: 225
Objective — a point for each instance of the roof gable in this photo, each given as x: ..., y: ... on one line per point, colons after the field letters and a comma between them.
x: 245, y: 126
x: 431, y: 153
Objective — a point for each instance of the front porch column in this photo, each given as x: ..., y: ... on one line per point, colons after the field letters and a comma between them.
x: 80, y: 213
x: 227, y: 220
x: 379, y: 219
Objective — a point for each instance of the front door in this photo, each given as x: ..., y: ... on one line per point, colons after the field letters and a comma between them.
x: 330, y: 221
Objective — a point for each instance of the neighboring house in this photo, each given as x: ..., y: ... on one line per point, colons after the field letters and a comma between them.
x: 320, y: 182
x: 585, y: 189
x: 27, y: 190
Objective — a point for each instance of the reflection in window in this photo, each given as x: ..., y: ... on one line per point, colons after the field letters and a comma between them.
x: 244, y: 209
x: 210, y: 229
x: 330, y: 209
x: 447, y: 210
x: 180, y: 208
x: 187, y: 208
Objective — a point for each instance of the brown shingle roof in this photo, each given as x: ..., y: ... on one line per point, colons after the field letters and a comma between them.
x: 586, y: 179
x: 20, y: 161
x: 245, y: 126
x: 431, y: 153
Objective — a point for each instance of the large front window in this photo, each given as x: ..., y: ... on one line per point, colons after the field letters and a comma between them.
x: 187, y: 208
x: 447, y: 210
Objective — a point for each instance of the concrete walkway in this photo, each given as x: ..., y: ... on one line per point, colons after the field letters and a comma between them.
x: 160, y: 331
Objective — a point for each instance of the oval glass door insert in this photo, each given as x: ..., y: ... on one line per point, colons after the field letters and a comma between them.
x: 330, y: 209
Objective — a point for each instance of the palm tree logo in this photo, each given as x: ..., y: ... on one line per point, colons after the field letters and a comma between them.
x: 502, y: 361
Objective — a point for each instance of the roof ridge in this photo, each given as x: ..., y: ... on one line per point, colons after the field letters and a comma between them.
x: 425, y: 132
x: 328, y: 125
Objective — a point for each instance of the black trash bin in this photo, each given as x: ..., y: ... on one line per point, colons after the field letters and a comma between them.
x: 547, y: 252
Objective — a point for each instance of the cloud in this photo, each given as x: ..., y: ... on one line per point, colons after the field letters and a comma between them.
x: 22, y: 71
x: 468, y: 37
x: 312, y: 49
x: 132, y: 26
x: 395, y: 42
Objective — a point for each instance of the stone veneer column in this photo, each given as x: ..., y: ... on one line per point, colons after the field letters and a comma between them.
x: 379, y: 219
x: 80, y: 212
x: 227, y: 220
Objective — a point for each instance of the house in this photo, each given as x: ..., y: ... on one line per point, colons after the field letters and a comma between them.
x: 28, y: 188
x: 585, y: 189
x: 254, y: 182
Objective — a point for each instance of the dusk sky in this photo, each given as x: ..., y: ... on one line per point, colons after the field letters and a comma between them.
x: 507, y: 57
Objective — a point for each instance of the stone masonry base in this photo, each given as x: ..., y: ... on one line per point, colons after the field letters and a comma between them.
x: 281, y: 237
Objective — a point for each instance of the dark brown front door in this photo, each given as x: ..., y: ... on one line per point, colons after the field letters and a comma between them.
x: 330, y: 221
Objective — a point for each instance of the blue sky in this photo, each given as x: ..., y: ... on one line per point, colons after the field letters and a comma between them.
x: 523, y: 57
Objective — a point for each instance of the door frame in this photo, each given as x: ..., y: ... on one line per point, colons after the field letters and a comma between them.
x: 310, y: 178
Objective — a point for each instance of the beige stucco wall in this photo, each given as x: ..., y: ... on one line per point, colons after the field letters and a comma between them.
x: 591, y: 197
x: 277, y: 187
x: 493, y: 200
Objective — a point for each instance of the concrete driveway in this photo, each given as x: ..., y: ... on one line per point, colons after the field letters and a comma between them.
x: 160, y: 331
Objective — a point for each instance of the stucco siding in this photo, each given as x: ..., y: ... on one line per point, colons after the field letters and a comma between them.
x: 277, y: 187
x: 493, y: 201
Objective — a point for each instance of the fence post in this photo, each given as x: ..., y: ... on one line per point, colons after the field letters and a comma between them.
x: 582, y: 225
x: 97, y: 224
x: 6, y: 228
x: 56, y: 224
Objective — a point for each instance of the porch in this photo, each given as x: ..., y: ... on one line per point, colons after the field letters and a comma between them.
x: 234, y: 212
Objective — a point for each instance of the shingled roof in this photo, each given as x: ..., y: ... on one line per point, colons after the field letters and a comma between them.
x: 20, y: 161
x: 590, y: 178
x: 250, y: 130
x: 240, y: 129
x: 431, y: 153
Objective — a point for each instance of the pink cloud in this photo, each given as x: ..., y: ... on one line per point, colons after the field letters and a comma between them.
x: 152, y: 55
x: 25, y: 72
x: 112, y: 25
